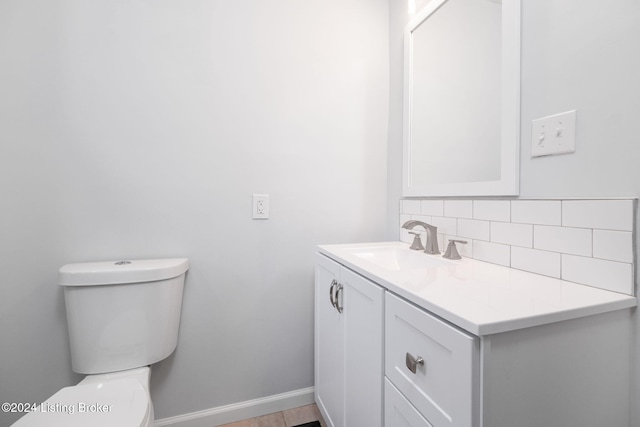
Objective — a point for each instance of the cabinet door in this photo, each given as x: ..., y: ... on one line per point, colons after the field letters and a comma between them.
x: 329, y: 345
x: 363, y: 369
x: 398, y: 412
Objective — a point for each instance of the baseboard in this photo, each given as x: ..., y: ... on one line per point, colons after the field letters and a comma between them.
x: 242, y: 410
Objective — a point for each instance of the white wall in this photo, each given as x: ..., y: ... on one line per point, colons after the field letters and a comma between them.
x: 583, y: 55
x: 576, y: 54
x: 133, y: 129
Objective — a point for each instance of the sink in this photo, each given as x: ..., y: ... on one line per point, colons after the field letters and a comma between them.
x: 395, y: 259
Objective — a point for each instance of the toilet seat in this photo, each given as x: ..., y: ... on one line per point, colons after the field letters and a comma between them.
x: 122, y: 402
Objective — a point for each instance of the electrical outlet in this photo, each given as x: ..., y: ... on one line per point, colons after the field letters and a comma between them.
x: 260, y: 206
x: 554, y: 134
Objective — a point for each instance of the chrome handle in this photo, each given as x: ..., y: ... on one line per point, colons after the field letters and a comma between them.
x: 338, y: 306
x: 417, y: 243
x: 452, y: 250
x: 333, y: 285
x: 464, y: 242
x: 413, y: 362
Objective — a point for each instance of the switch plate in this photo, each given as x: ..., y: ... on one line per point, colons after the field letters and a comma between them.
x: 260, y: 206
x: 554, y: 134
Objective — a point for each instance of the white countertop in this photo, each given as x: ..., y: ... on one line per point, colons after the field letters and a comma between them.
x: 479, y: 297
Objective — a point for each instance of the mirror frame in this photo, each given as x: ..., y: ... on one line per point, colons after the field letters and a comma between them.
x: 509, y: 182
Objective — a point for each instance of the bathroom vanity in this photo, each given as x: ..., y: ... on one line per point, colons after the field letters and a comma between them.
x: 408, y: 339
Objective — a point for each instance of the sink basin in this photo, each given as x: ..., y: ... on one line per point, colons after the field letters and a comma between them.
x: 395, y: 259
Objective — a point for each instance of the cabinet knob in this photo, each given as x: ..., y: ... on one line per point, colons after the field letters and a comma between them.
x: 413, y: 362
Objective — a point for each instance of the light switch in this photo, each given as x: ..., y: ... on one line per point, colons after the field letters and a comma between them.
x: 554, y: 134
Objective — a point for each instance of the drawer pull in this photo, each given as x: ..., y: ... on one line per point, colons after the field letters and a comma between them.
x: 333, y: 285
x: 339, y: 288
x: 412, y: 362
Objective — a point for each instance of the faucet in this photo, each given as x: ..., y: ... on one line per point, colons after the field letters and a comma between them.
x: 432, y: 235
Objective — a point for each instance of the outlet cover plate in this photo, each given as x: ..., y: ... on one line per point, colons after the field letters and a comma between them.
x: 260, y: 206
x: 554, y: 134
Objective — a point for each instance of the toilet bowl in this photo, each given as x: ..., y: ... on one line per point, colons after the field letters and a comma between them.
x: 122, y: 317
x: 116, y: 399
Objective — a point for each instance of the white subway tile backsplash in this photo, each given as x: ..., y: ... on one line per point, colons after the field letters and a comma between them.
x: 458, y: 208
x: 474, y: 229
x: 535, y: 261
x: 512, y: 234
x: 603, y: 214
x: 404, y: 234
x: 584, y: 241
x: 410, y: 206
x: 432, y: 207
x: 575, y: 241
x: 423, y: 218
x: 492, y: 210
x: 613, y: 245
x: 445, y: 225
x: 610, y: 275
x: 544, y: 212
x: 492, y: 252
x: 441, y: 242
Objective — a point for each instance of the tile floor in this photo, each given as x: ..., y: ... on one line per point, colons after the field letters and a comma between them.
x: 288, y: 418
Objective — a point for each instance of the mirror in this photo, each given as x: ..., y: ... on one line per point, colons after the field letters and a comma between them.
x: 462, y: 99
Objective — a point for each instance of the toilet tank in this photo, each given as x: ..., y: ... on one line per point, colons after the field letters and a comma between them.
x: 122, y: 314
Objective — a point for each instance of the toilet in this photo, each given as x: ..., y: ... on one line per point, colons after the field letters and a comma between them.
x: 122, y: 316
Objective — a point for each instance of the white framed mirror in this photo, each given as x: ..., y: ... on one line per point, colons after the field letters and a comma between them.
x: 462, y: 99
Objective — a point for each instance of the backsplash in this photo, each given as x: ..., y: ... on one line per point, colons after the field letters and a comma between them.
x: 584, y: 241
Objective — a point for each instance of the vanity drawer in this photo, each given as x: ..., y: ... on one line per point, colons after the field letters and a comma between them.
x: 445, y: 386
x: 398, y: 412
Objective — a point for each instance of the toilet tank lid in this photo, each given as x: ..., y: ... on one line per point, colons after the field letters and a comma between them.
x: 120, y: 272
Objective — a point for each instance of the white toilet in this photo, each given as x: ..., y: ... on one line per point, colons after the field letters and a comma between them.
x: 122, y: 317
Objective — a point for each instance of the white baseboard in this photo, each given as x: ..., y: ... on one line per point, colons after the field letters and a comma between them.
x: 242, y: 410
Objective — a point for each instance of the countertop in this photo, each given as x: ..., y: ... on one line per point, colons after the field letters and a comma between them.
x: 479, y: 297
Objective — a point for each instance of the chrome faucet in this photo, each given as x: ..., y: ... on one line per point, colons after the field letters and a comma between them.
x: 432, y: 235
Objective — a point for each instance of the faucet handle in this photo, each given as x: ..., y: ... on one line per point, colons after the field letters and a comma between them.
x: 417, y: 243
x: 452, y: 250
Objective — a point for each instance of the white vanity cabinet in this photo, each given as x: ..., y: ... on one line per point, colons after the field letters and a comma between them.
x: 466, y: 345
x: 348, y: 346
